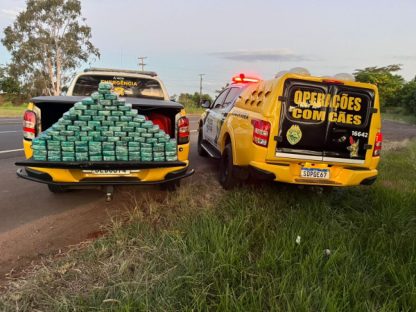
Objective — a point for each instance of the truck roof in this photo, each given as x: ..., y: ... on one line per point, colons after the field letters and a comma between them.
x: 115, y: 70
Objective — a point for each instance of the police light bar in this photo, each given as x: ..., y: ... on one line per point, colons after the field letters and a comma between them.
x: 243, y: 79
x: 332, y: 81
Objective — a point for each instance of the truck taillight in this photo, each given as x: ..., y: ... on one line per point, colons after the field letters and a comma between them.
x: 29, y: 125
x: 377, y: 144
x: 183, y: 130
x: 261, y: 132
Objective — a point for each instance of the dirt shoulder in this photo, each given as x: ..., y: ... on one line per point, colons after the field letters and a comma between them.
x: 54, y: 232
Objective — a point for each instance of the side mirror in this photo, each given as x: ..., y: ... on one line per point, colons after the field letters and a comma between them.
x: 206, y: 104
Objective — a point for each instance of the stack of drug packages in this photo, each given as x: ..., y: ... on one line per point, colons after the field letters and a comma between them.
x: 104, y: 128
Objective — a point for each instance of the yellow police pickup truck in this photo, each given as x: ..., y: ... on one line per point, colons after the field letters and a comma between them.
x: 146, y: 93
x: 296, y: 129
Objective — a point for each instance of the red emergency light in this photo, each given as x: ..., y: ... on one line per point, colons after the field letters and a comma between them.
x: 332, y: 81
x: 243, y: 79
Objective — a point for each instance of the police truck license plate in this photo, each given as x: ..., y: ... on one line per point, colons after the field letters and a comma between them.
x: 313, y: 173
x: 110, y: 172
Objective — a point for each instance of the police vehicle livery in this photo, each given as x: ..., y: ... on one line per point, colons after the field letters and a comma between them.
x: 295, y: 128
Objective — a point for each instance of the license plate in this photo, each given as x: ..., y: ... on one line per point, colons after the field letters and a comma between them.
x: 313, y: 173
x: 108, y: 172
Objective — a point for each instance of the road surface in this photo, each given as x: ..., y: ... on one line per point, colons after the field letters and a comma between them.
x: 35, y: 222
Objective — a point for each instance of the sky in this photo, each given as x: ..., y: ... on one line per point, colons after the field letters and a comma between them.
x: 182, y: 39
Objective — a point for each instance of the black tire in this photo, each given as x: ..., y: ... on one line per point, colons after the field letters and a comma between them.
x: 170, y: 186
x: 227, y: 177
x: 57, y: 189
x: 201, y: 151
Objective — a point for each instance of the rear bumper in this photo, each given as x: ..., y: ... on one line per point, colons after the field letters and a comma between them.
x: 290, y: 173
x: 80, y: 173
x: 45, y: 178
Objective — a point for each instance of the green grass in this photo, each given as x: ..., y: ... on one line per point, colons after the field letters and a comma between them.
x: 9, y: 110
x: 237, y: 251
x: 410, y: 119
x: 194, y: 109
x: 399, y: 114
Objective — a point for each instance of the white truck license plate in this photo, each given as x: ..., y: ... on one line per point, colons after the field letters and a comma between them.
x: 313, y: 173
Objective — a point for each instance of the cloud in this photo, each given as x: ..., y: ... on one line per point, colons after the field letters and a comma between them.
x: 405, y: 57
x: 281, y: 55
x: 11, y: 13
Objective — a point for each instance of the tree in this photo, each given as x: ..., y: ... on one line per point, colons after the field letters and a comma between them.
x: 8, y: 84
x: 389, y: 84
x: 47, y: 41
x: 194, y: 100
x: 407, y: 97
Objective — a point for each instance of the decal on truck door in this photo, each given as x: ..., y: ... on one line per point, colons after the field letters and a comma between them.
x: 310, y: 104
x: 322, y: 121
x: 294, y: 135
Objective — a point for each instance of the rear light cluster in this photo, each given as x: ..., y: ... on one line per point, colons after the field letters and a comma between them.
x: 29, y: 125
x: 183, y: 130
x: 261, y: 132
x: 378, y: 144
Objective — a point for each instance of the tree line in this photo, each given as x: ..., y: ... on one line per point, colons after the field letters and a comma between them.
x: 395, y: 93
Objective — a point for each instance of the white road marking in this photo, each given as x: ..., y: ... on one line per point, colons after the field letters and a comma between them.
x: 11, y: 151
x: 10, y: 131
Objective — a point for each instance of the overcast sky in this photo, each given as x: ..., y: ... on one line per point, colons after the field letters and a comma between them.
x: 221, y: 38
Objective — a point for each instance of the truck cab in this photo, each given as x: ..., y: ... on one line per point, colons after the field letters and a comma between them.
x: 146, y: 94
x: 296, y: 129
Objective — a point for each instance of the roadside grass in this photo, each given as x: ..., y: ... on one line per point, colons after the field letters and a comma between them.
x: 9, y: 110
x: 410, y: 119
x: 194, y: 109
x: 201, y: 249
x: 399, y: 114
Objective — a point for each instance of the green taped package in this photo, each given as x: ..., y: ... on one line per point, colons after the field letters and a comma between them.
x: 162, y: 158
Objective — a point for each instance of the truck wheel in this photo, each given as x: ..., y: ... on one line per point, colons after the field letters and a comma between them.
x: 227, y: 176
x: 201, y: 152
x: 57, y: 188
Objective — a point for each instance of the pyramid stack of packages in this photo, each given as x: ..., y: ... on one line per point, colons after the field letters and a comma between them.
x: 104, y: 128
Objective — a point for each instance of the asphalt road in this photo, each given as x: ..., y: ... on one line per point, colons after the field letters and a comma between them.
x: 10, y: 137
x: 34, y: 221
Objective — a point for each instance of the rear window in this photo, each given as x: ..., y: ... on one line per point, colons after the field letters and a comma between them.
x: 318, y: 103
x: 302, y: 108
x: 356, y: 113
x: 123, y: 86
